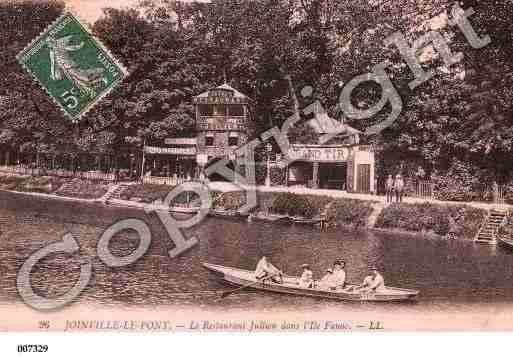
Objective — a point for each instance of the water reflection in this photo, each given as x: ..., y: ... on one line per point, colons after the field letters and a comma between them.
x: 448, y: 274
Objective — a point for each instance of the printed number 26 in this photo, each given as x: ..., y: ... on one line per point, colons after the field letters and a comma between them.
x: 70, y: 100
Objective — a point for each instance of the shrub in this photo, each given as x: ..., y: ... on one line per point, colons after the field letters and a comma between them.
x: 11, y: 182
x: 459, y: 183
x: 147, y: 193
x: 440, y: 219
x: 277, y: 174
x: 41, y: 184
x: 349, y: 212
x: 230, y: 200
x: 82, y: 189
x: 293, y: 205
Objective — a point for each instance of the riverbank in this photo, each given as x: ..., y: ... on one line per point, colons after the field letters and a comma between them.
x: 55, y: 186
x: 425, y: 219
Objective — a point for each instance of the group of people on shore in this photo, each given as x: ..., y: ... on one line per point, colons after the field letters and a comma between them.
x: 333, y: 279
x: 394, y: 186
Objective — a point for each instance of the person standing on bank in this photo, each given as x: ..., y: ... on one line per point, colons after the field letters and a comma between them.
x: 399, y: 188
x: 389, y: 188
x: 495, y: 192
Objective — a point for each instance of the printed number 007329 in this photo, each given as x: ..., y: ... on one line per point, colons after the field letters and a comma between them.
x: 32, y: 348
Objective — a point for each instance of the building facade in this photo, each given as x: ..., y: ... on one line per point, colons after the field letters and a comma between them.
x: 223, y: 116
x: 341, y: 163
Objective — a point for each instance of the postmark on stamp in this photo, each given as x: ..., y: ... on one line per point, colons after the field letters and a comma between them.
x: 73, y: 67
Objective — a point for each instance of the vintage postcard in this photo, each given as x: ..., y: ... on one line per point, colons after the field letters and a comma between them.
x: 255, y: 166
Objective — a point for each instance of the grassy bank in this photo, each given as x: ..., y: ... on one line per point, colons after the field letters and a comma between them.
x: 338, y: 211
x: 462, y: 220
x: 58, y: 186
x: 148, y: 193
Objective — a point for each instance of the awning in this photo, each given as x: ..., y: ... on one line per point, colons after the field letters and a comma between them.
x: 181, y: 141
x: 182, y: 151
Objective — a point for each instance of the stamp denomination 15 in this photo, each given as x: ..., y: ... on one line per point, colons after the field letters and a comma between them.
x: 74, y: 68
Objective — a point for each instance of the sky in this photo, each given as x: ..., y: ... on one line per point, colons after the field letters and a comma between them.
x: 91, y: 10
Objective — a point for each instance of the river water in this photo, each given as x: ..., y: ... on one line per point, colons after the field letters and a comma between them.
x: 456, y: 275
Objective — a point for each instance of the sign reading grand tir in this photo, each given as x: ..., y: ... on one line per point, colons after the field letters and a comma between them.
x: 319, y: 154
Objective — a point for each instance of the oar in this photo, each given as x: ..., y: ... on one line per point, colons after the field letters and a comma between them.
x: 226, y: 294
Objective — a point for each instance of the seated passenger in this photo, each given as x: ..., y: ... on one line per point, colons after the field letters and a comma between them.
x: 306, y: 280
x: 373, y: 282
x: 328, y: 281
x: 265, y: 270
x: 339, y: 274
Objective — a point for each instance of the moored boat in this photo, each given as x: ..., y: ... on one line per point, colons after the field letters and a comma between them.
x: 179, y: 209
x: 242, y: 277
x: 302, y: 220
x: 228, y: 214
x: 506, y: 242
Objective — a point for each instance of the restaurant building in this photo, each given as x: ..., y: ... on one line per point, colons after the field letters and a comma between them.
x: 341, y: 163
x: 223, y: 115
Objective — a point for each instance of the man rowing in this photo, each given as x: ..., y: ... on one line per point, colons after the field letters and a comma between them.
x: 374, y: 282
x: 265, y: 270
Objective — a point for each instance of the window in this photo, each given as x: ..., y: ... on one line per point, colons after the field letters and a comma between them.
x: 206, y: 110
x: 220, y: 110
x: 232, y: 141
x: 236, y: 110
x: 209, y: 141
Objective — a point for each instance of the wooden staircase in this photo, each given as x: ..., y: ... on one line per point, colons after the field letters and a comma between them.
x: 114, y: 192
x: 490, y: 227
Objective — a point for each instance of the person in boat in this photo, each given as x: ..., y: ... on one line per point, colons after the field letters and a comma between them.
x: 306, y: 279
x: 374, y: 282
x: 328, y: 281
x: 265, y: 270
x: 339, y: 274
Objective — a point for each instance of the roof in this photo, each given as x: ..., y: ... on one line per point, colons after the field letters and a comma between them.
x: 323, y: 124
x: 181, y: 141
x: 224, y: 187
x: 226, y: 87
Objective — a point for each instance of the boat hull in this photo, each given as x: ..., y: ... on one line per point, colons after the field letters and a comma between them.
x: 228, y: 214
x: 506, y: 243
x: 242, y: 277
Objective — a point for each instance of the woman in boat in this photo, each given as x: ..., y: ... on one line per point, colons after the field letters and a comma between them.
x: 306, y: 280
x: 339, y: 274
x: 265, y: 270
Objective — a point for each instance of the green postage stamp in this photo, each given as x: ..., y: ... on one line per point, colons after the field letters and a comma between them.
x: 74, y: 68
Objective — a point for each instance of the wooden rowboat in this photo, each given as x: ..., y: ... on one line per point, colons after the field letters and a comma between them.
x: 506, y: 242
x: 242, y: 277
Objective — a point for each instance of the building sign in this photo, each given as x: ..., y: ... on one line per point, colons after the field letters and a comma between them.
x: 185, y: 151
x: 221, y: 100
x: 220, y: 124
x: 319, y: 154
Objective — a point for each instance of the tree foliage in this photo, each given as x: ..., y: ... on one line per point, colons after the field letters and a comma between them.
x: 175, y: 50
